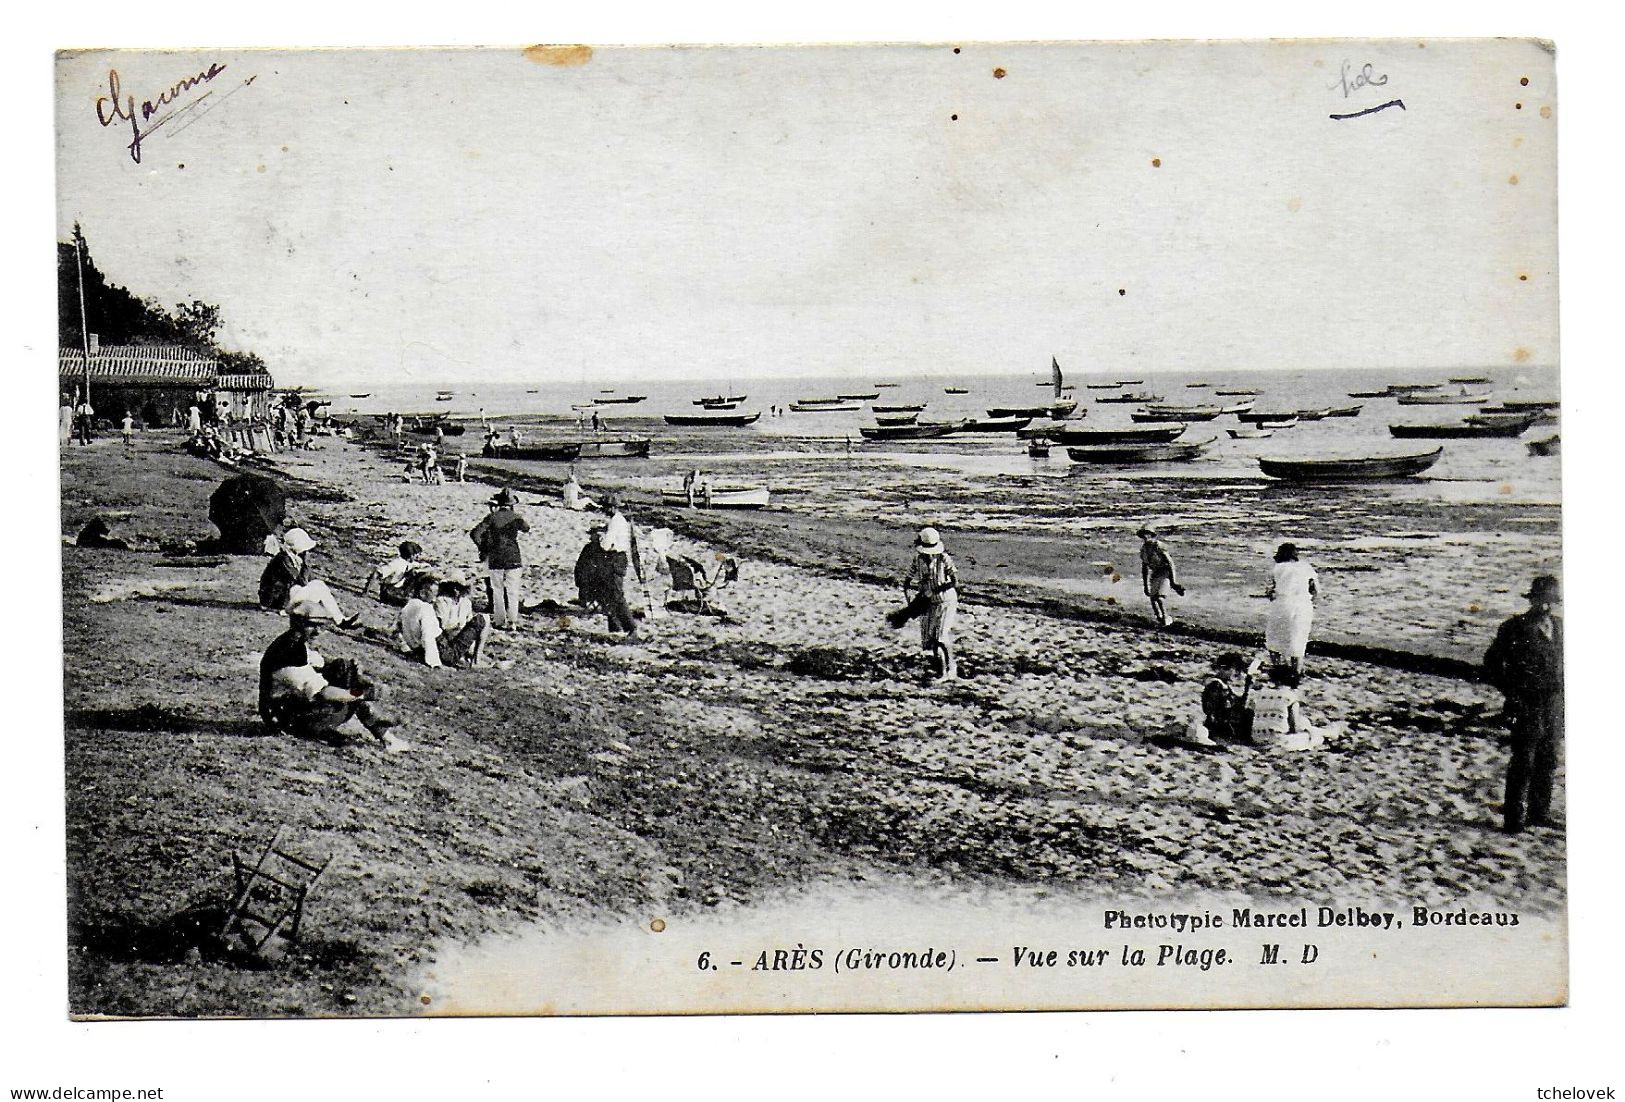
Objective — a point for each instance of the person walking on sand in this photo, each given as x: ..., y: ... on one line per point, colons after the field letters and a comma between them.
x: 1157, y: 574
x: 127, y: 429
x: 497, y: 537
x: 303, y: 693
x: 1292, y: 591
x: 1525, y: 662
x: 619, y: 543
x: 933, y: 580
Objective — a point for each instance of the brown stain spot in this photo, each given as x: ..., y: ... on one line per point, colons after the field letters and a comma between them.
x: 1546, y: 112
x: 1156, y: 162
x: 1513, y: 179
x: 953, y: 118
x: 1320, y: 63
x: 956, y: 49
x: 1294, y: 204
x: 1116, y: 577
x: 564, y: 57
x: 1421, y: 45
x: 1524, y: 81
x: 1121, y: 291
x: 1523, y: 277
x: 284, y: 149
x: 425, y: 1000
x: 1504, y: 488
x: 658, y: 925
x: 998, y: 74
x: 1517, y: 141
x: 1517, y: 107
x: 1474, y: 607
x: 261, y: 168
x: 1521, y: 354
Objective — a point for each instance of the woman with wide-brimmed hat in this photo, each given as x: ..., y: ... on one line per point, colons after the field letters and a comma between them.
x: 1292, y: 591
x: 288, y: 578
x: 933, y: 580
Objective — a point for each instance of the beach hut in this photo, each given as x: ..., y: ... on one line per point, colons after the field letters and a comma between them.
x: 152, y: 382
x: 246, y: 397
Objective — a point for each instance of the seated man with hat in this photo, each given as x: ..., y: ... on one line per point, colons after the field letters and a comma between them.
x: 303, y: 693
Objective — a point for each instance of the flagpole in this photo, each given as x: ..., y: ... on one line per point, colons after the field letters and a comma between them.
x: 84, y: 320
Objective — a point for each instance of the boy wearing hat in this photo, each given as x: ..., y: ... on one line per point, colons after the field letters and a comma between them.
x: 497, y: 537
x: 1157, y: 574
x: 1525, y: 662
x: 303, y: 693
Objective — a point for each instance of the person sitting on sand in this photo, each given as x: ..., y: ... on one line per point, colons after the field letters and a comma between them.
x: 1227, y: 714
x: 287, y: 580
x: 574, y: 499
x: 1157, y: 574
x: 302, y: 693
x: 932, y: 577
x: 99, y: 535
x: 428, y: 640
x: 1279, y: 722
x: 392, y: 576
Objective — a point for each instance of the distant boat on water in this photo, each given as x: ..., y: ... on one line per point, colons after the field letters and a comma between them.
x: 1235, y: 393
x: 1132, y: 397
x: 884, y: 385
x: 442, y: 397
x: 1443, y: 399
x: 824, y: 407
x: 1371, y: 394
x: 954, y: 390
x: 858, y: 397
x: 720, y: 399
x: 900, y: 409
x: 1412, y: 388
x: 1128, y: 382
x: 628, y: 400
x: 1471, y: 380
x: 1101, y: 386
x: 713, y: 420
x: 366, y: 395
x: 1353, y: 469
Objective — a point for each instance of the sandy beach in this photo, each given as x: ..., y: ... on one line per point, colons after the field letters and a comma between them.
x: 790, y: 745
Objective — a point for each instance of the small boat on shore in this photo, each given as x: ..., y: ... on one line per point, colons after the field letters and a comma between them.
x: 1138, y: 398
x: 1315, y: 414
x: 1548, y: 446
x: 1250, y: 434
x: 1374, y: 468
x: 997, y: 424
x: 835, y: 406
x: 859, y: 397
x: 1464, y: 430
x: 1145, y: 434
x: 563, y: 451
x: 1371, y: 394
x: 1532, y: 403
x: 623, y: 447
x: 1277, y: 418
x: 1140, y: 453
x: 896, y: 418
x: 1463, y: 399
x: 927, y: 430
x: 721, y: 497
x: 1345, y: 411
x: 720, y: 407
x: 713, y: 420
x: 1284, y: 423
x: 900, y: 409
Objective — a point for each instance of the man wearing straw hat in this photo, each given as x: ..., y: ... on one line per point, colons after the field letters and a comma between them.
x: 303, y: 693
x: 1526, y: 663
x: 497, y: 537
x: 933, y: 580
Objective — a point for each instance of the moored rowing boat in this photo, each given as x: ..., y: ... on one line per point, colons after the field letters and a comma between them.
x: 1349, y: 469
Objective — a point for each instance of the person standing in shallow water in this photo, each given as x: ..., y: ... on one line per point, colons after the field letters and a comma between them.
x: 933, y: 579
x: 1525, y: 662
x: 1292, y: 591
x: 1157, y: 574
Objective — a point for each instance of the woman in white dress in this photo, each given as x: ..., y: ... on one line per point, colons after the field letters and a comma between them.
x: 1292, y: 593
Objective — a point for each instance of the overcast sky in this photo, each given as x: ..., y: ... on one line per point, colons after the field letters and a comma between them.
x: 721, y: 213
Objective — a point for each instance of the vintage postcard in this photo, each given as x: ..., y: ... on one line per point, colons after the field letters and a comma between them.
x: 592, y: 530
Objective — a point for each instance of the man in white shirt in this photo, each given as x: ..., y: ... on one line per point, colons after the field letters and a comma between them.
x: 447, y: 631
x: 304, y: 693
x: 619, y: 544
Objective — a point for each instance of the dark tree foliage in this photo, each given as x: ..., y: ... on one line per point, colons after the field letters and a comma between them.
x: 118, y: 316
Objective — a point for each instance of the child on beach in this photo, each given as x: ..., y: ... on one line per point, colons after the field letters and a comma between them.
x: 392, y: 575
x: 1226, y: 713
x: 1279, y: 722
x: 127, y: 430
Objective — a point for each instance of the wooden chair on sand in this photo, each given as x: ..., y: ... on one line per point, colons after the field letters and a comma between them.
x: 270, y: 894
x: 692, y: 585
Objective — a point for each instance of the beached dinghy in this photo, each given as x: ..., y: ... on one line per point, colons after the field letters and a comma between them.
x: 860, y: 397
x: 896, y: 418
x: 564, y: 451
x: 1177, y: 413
x: 721, y: 497
x: 713, y: 420
x: 1443, y: 399
x: 1140, y: 453
x: 1250, y: 434
x: 625, y: 447
x: 1345, y: 411
x: 1143, y: 434
x: 899, y: 409
x: 1549, y: 446
x: 997, y: 424
x: 824, y: 407
x: 1370, y: 394
x: 1375, y: 468
x: 926, y: 430
x: 1135, y: 397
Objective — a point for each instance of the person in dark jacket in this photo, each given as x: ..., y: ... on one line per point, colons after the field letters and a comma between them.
x: 497, y: 537
x: 1525, y: 662
x: 1227, y: 714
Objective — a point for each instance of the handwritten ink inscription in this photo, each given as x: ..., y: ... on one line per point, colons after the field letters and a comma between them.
x: 1350, y: 80
x: 116, y: 106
